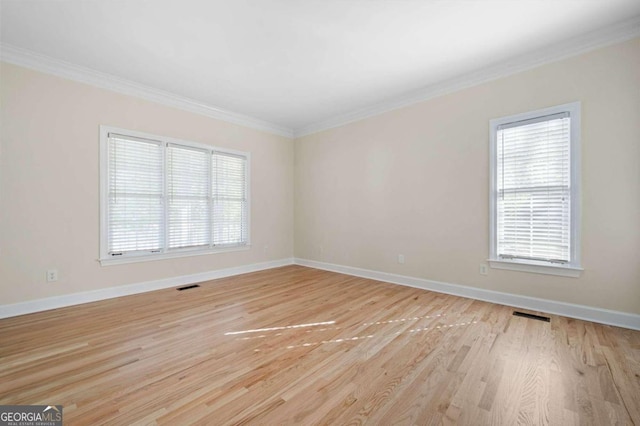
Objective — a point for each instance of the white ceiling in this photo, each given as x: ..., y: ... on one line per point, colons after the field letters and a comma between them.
x: 295, y: 63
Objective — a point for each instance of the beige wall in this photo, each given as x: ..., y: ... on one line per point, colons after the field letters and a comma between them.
x: 49, y: 185
x: 412, y: 181
x: 415, y: 181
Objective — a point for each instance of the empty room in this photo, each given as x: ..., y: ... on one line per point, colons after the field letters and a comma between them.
x: 311, y: 212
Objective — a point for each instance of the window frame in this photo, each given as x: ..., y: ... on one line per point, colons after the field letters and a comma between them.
x: 573, y: 268
x: 165, y: 252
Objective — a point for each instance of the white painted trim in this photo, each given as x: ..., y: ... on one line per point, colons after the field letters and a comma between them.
x: 601, y: 38
x: 36, y: 61
x: 55, y: 302
x: 550, y: 269
x: 573, y: 269
x: 173, y: 254
x: 587, y: 313
x: 578, y: 45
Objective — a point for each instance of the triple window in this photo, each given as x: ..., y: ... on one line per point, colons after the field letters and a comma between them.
x: 163, y: 197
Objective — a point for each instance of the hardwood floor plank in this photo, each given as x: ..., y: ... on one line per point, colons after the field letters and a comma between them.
x: 295, y: 345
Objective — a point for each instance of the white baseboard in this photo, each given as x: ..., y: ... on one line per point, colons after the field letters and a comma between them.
x: 588, y: 313
x: 125, y: 290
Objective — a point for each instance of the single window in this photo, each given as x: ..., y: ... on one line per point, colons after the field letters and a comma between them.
x: 165, y: 198
x: 535, y: 197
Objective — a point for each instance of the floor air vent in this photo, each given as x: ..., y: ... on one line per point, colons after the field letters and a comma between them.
x: 188, y: 287
x: 535, y: 317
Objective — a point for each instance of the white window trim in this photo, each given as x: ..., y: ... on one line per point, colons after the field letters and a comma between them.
x: 573, y: 268
x: 536, y: 268
x: 104, y: 258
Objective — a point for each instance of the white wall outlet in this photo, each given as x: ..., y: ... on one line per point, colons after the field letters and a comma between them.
x: 484, y: 269
x: 401, y: 259
x: 52, y: 275
x: 266, y: 249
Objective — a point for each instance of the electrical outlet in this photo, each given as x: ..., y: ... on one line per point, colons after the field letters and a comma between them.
x: 52, y: 275
x: 266, y: 249
x: 484, y: 269
x: 401, y: 259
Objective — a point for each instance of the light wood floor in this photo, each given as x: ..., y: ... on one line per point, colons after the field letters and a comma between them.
x: 298, y: 345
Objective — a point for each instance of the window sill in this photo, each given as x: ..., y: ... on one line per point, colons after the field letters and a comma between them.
x: 169, y: 255
x: 536, y: 268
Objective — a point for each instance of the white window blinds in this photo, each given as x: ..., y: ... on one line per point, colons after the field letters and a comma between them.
x: 188, y: 186
x: 164, y: 196
x: 135, y: 195
x: 229, y: 199
x: 533, y: 185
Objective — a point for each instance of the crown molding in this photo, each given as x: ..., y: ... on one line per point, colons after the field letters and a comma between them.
x: 36, y: 61
x: 575, y: 46
x: 601, y: 38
